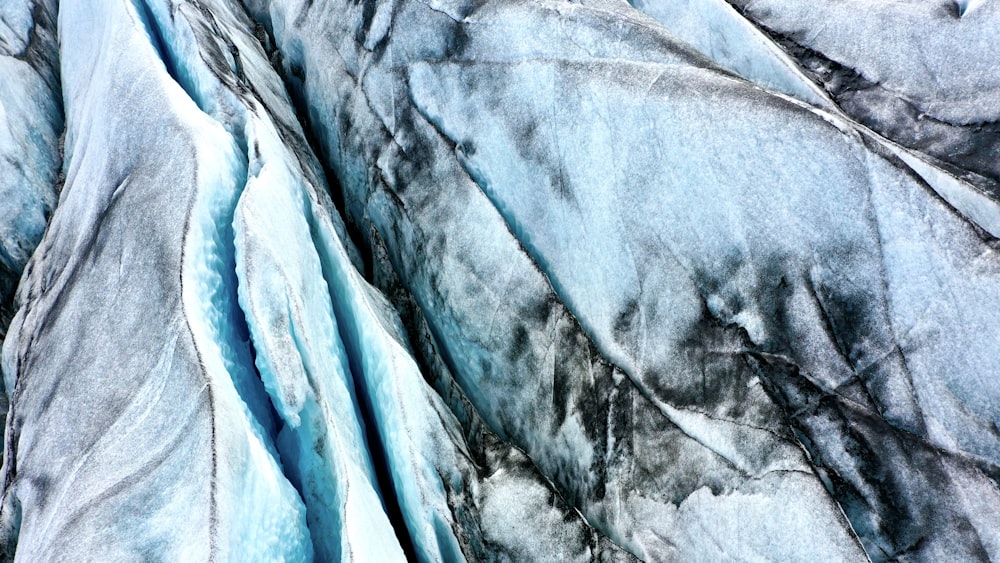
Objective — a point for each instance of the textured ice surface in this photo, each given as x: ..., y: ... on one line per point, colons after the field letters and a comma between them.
x: 644, y: 287
x: 743, y: 261
x: 30, y: 124
x: 269, y: 393
x: 722, y: 34
x: 141, y: 428
x: 919, y: 72
x: 717, y: 30
x: 145, y: 449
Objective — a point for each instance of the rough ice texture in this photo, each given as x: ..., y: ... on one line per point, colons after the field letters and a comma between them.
x: 717, y: 30
x: 30, y: 125
x: 920, y: 72
x: 668, y: 302
x: 644, y: 288
x: 263, y: 386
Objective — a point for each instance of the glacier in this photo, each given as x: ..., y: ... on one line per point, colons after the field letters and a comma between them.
x: 917, y: 72
x: 32, y: 117
x: 468, y: 280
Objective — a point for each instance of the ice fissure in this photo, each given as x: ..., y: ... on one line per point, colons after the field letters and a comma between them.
x: 529, y: 280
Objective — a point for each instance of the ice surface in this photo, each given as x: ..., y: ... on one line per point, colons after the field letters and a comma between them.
x: 157, y: 421
x: 644, y: 289
x: 320, y: 299
x: 17, y: 21
x: 723, y: 35
x: 30, y: 124
x: 730, y: 40
x: 967, y: 6
x: 731, y: 237
x: 917, y: 72
x: 563, y: 444
x: 919, y: 49
x: 296, y: 373
x: 141, y: 429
